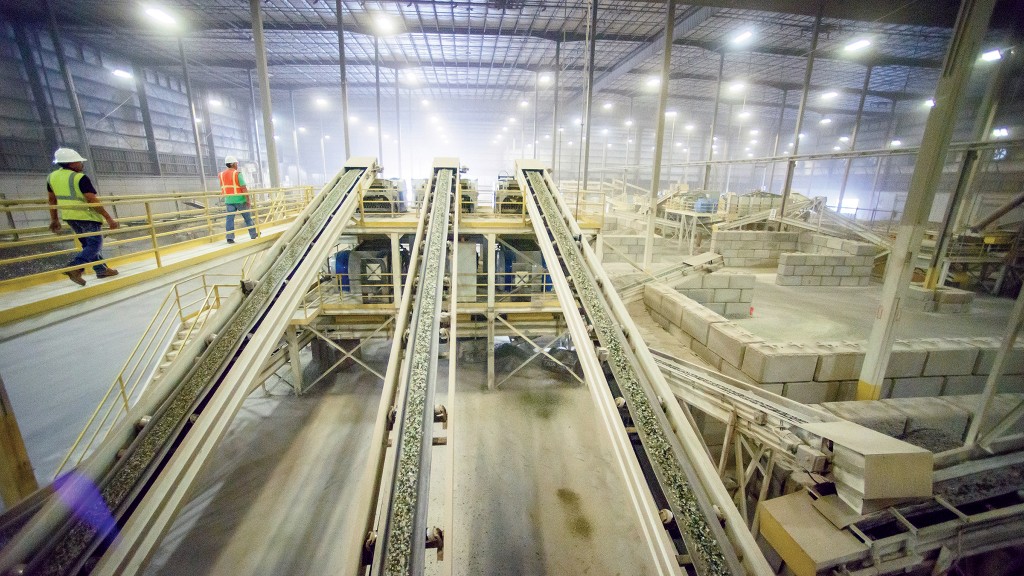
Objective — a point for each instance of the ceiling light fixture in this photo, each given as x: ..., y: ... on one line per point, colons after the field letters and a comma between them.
x: 929, y: 103
x: 829, y: 95
x: 161, y: 17
x: 857, y: 45
x: 742, y: 38
x: 121, y: 73
x: 991, y: 56
x: 825, y: 121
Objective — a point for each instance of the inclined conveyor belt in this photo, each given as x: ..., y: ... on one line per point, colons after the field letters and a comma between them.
x: 401, y: 546
x: 72, y: 544
x: 708, y: 547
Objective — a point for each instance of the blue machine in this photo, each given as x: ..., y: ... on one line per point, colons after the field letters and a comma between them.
x: 366, y: 270
x: 705, y: 205
x: 521, y: 269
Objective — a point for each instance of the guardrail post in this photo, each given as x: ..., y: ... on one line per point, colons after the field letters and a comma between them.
x: 152, y: 235
x: 206, y: 213
x: 17, y: 480
x: 10, y: 218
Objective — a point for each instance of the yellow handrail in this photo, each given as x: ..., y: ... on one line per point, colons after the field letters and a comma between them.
x: 149, y: 229
x: 144, y: 360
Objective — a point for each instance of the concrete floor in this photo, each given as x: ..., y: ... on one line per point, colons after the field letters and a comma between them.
x: 537, y: 490
x: 808, y: 314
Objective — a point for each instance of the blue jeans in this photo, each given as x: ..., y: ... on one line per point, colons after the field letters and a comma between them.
x: 229, y: 220
x: 91, y: 245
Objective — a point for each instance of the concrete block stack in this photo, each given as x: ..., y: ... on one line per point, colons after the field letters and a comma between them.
x: 823, y: 270
x: 727, y: 294
x: 829, y: 371
x: 943, y: 300
x: 753, y: 249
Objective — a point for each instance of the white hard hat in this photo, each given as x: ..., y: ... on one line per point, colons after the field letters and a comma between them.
x: 230, y: 160
x: 66, y: 156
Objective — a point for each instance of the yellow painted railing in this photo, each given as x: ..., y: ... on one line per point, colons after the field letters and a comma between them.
x: 182, y: 314
x: 152, y: 227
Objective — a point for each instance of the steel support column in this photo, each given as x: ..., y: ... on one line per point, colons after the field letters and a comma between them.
x: 778, y: 137
x: 554, y: 116
x: 376, y: 84
x: 139, y: 73
x: 264, y: 79
x: 17, y: 480
x: 69, y: 84
x: 32, y: 71
x: 338, y: 6
x: 295, y: 136
x: 255, y: 127
x: 492, y: 247
x: 969, y: 31
x: 536, y: 113
x: 791, y: 164
x: 200, y: 165
x: 853, y: 138
x: 398, y: 123
x: 706, y: 184
x: 204, y: 111
x: 1013, y: 327
x: 588, y: 108
x: 659, y: 139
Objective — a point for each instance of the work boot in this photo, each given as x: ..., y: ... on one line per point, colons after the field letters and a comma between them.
x: 76, y: 276
x: 107, y: 273
x: 231, y: 240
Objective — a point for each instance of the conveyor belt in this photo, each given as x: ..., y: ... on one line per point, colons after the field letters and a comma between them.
x: 705, y: 541
x: 72, y: 546
x: 405, y: 523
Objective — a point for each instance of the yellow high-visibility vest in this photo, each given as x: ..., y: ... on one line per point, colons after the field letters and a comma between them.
x: 70, y: 199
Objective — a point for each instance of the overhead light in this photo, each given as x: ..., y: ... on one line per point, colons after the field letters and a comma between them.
x: 327, y: 136
x: 384, y: 24
x: 689, y: 127
x: 755, y: 132
x: 161, y: 17
x: 321, y: 102
x: 524, y: 104
x: 753, y: 142
x: 857, y: 45
x: 425, y: 102
x: 504, y: 128
x: 629, y: 122
x: 544, y: 78
x: 215, y: 102
x: 929, y: 103
x: 653, y: 81
x: 679, y: 144
x: 1000, y: 132
x: 801, y: 135
x: 630, y: 141
x: 353, y: 119
x: 837, y: 148
x: 604, y: 131
x: 991, y: 56
x: 742, y: 38
x: 829, y: 95
x: 608, y: 106
x: 844, y: 138
x: 746, y: 149
x: 895, y: 143
x: 199, y: 120
x: 302, y: 129
x: 790, y: 145
x: 671, y: 114
x: 737, y: 86
x: 750, y: 155
x: 121, y: 73
x: 825, y: 121
x: 410, y: 77
x: 744, y: 114
x: 547, y: 136
x: 577, y: 121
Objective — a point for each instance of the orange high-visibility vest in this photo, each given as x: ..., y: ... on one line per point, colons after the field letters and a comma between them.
x: 230, y: 188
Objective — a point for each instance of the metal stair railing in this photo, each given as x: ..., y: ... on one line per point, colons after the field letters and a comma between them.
x: 184, y: 311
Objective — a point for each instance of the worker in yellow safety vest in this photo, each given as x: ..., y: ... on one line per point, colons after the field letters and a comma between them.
x: 71, y: 192
x: 236, y: 199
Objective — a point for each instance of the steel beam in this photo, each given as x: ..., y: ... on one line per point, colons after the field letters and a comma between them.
x: 659, y: 138
x: 853, y: 137
x: 69, y: 85
x: 972, y: 22
x: 273, y: 166
x: 588, y: 109
x: 32, y: 72
x: 339, y: 7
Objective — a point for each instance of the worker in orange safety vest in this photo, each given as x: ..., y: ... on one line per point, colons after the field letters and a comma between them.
x: 236, y: 199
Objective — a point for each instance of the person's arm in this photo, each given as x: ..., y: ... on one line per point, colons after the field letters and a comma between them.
x: 241, y: 185
x: 51, y: 199
x: 90, y: 193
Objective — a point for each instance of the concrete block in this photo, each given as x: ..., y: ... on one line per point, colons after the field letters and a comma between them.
x: 864, y: 281
x: 862, y: 270
x: 706, y: 354
x: 803, y: 270
x: 716, y: 307
x: 729, y: 341
x: 788, y: 269
x: 932, y: 414
x: 948, y: 357
x: 737, y: 310
x: 691, y: 281
x: 954, y: 296
x: 1002, y: 405
x: 727, y: 295
x: 810, y: 280
x: 810, y: 392
x: 907, y: 359
x: 988, y: 347
x: 696, y: 321
x: 849, y: 281
x: 875, y: 415
x: 672, y: 307
x: 830, y: 281
x: 917, y: 387
x: 681, y: 337
x: 835, y: 260
x: 787, y: 280
x: 716, y: 281
x: 947, y: 308
x: 702, y: 295
x: 834, y: 243
x: 747, y: 295
x: 919, y: 294
x: 735, y: 373
x: 766, y: 362
x: 839, y: 361
x: 846, y: 390
x: 652, y: 297
x: 744, y: 281
x: 823, y: 270
x: 963, y: 385
x: 843, y: 271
